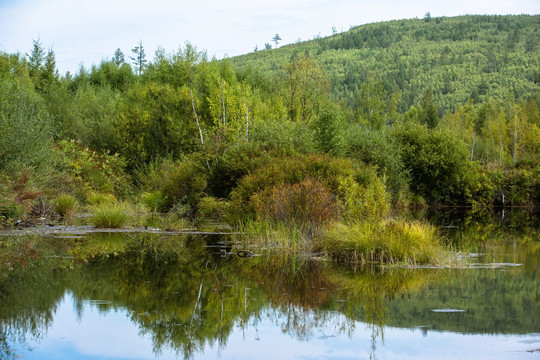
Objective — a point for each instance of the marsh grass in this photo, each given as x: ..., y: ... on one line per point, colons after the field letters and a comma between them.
x: 65, y: 205
x: 388, y: 241
x: 272, y: 235
x: 98, y: 198
x: 110, y: 215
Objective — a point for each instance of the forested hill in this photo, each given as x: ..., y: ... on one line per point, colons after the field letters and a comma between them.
x: 458, y: 58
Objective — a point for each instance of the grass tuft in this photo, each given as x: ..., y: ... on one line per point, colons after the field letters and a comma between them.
x: 110, y: 215
x: 65, y: 205
x: 388, y: 241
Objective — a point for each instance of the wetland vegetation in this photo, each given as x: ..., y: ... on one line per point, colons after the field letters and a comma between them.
x: 368, y: 178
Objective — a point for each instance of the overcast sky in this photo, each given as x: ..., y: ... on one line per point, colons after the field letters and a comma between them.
x: 88, y: 31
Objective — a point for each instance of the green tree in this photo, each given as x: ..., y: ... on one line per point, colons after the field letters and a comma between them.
x: 328, y: 130
x: 276, y: 39
x: 428, y: 113
x: 305, y: 86
x: 118, y: 57
x: 155, y: 122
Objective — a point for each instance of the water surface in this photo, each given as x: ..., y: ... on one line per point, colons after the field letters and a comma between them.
x: 147, y: 296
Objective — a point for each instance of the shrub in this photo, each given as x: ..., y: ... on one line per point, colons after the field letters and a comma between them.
x: 235, y: 163
x: 350, y: 183
x: 182, y: 181
x: 65, y: 205
x: 437, y: 160
x: 210, y: 207
x: 307, y: 205
x: 284, y: 137
x: 154, y: 201
x: 101, y: 172
x: 25, y: 128
x: 97, y: 198
x: 109, y: 215
x: 378, y: 149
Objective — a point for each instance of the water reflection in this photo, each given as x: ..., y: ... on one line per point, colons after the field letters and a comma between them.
x: 183, y: 298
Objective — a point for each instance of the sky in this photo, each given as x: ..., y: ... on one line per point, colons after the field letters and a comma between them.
x: 86, y: 32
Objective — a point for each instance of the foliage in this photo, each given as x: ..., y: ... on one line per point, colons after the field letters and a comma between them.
x: 304, y: 86
x: 379, y: 150
x: 93, y: 170
x: 212, y: 208
x: 437, y: 162
x: 174, y: 182
x: 97, y: 198
x: 155, y: 121
x: 25, y: 126
x: 355, y: 188
x: 328, y: 131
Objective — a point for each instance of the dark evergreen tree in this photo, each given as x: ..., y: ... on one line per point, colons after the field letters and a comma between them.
x: 139, y: 60
x: 428, y: 114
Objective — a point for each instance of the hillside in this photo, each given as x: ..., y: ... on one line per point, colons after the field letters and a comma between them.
x: 457, y: 58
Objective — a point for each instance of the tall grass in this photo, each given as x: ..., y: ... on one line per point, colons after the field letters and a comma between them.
x: 272, y: 235
x: 388, y: 241
x: 110, y: 215
x: 65, y: 205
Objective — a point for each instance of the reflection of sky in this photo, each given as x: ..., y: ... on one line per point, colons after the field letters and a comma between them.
x: 111, y: 335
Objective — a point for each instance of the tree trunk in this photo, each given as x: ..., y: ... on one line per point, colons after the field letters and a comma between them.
x: 472, y: 147
x: 247, y: 120
x: 196, y: 117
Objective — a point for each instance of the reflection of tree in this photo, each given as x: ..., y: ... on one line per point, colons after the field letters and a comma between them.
x: 185, y: 297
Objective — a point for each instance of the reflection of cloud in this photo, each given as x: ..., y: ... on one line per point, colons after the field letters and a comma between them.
x: 95, y: 334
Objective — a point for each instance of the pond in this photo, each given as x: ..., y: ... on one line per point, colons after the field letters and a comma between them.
x: 176, y: 296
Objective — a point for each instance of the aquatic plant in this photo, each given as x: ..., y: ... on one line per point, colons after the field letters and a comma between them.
x: 108, y: 215
x: 388, y: 241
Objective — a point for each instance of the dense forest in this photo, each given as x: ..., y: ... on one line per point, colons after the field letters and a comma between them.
x: 433, y: 111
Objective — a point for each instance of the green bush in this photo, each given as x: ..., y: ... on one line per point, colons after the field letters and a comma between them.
x: 97, y: 198
x: 213, y: 208
x: 354, y: 187
x: 283, y: 137
x: 437, y: 161
x: 521, y: 186
x: 25, y: 128
x: 101, y: 172
x: 154, y: 201
x: 236, y: 162
x: 378, y: 149
x: 175, y: 182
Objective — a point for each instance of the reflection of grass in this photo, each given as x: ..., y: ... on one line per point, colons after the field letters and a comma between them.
x: 103, y: 244
x: 371, y: 289
x: 390, y: 241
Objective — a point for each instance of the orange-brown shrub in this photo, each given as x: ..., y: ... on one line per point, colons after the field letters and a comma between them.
x: 307, y: 205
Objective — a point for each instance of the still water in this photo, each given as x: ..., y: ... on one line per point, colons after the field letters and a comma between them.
x: 148, y: 296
